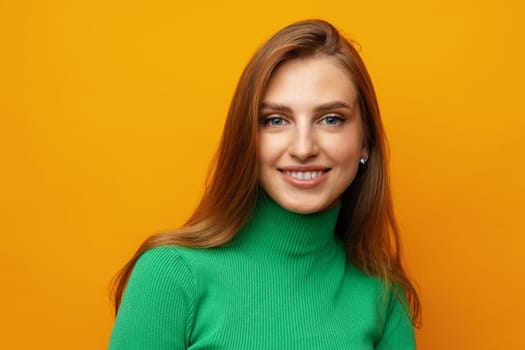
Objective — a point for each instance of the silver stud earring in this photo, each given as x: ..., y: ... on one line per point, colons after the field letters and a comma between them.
x: 363, y: 160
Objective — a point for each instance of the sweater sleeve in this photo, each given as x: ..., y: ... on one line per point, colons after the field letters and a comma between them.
x: 157, y: 306
x: 398, y: 331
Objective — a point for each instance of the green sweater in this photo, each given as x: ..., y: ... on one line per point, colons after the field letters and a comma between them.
x: 283, y: 282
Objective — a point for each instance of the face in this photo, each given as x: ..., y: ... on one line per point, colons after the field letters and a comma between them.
x: 310, y: 135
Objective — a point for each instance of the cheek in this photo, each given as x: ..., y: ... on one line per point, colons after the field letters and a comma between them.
x: 270, y: 149
x: 344, y: 150
x: 263, y: 150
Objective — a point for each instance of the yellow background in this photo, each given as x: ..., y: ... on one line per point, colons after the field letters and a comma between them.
x: 110, y: 112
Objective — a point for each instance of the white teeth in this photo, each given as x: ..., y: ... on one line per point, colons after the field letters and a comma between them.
x: 304, y: 175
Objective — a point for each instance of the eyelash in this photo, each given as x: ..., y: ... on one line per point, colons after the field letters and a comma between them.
x: 340, y: 119
x: 269, y: 119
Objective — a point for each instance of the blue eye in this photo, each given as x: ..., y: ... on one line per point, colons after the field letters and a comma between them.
x: 274, y: 121
x: 333, y: 120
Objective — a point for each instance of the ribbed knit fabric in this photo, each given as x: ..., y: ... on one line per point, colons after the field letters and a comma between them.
x: 284, y: 282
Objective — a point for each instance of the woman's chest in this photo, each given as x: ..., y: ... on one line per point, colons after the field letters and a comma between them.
x: 311, y: 311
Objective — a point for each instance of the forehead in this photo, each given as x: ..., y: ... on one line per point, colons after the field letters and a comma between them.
x: 313, y: 80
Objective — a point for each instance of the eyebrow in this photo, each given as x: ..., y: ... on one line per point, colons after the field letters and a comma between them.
x: 321, y: 108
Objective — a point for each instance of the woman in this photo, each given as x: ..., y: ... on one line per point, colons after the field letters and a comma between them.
x: 294, y: 244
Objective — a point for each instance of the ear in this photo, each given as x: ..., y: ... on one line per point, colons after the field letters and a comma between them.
x: 364, y: 149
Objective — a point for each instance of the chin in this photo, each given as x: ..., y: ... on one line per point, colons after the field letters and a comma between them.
x: 302, y: 208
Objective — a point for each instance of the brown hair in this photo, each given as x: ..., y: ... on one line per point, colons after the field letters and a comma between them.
x: 366, y: 222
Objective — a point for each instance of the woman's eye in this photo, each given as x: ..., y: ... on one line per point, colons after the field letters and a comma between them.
x: 274, y: 121
x: 333, y: 120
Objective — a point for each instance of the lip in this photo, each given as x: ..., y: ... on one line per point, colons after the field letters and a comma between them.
x: 302, y: 183
x: 305, y: 168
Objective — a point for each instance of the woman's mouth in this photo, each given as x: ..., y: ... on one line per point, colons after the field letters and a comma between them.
x: 305, y: 178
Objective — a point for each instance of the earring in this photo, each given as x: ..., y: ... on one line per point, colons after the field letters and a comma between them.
x: 363, y: 160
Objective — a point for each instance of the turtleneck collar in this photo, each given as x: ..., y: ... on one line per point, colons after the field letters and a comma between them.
x: 275, y: 229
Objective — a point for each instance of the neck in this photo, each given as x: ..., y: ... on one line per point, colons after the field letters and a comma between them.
x: 276, y: 230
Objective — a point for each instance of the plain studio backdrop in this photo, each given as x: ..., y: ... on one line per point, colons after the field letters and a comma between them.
x: 110, y: 112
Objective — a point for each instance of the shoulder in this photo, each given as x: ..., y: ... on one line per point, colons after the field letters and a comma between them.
x: 389, y: 293
x: 386, y: 296
x: 161, y: 272
x: 365, y: 282
x: 166, y: 266
x: 161, y: 261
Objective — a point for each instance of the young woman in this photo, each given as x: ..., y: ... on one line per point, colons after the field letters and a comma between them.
x: 294, y: 244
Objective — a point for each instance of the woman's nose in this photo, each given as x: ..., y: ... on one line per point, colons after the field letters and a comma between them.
x: 303, y: 143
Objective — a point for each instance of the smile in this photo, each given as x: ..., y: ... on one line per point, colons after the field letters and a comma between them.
x: 302, y: 178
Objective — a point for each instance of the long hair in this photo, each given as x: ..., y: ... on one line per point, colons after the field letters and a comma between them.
x: 366, y: 222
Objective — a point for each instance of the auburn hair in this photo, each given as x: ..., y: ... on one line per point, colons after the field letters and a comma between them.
x: 366, y: 222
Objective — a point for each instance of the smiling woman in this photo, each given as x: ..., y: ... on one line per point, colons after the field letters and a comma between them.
x: 294, y: 244
x: 311, y: 140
